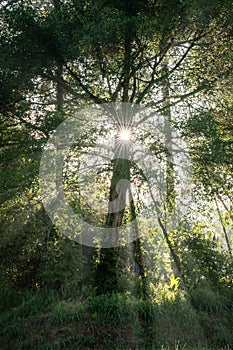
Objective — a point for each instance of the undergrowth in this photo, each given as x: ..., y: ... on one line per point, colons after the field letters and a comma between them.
x: 45, y: 320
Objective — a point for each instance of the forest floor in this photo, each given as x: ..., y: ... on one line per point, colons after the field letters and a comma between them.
x: 45, y: 320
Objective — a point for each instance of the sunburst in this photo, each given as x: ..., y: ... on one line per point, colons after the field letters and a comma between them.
x: 125, y: 134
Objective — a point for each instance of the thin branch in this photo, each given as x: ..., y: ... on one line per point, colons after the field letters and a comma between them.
x: 171, y: 104
x: 93, y: 97
x: 103, y: 71
x: 118, y: 88
x: 223, y: 227
x: 153, y: 81
x: 66, y: 86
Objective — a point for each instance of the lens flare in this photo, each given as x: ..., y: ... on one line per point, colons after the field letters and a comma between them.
x: 124, y: 134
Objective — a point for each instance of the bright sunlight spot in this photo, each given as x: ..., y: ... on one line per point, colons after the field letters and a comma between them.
x: 124, y: 135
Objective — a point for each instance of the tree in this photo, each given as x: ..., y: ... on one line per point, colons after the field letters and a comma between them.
x: 100, y: 51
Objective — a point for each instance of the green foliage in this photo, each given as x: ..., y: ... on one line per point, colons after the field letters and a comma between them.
x: 33, y: 254
x: 43, y: 320
x: 65, y: 312
x: 61, y: 266
x: 204, y: 260
x: 97, y: 51
x: 215, y: 315
x: 210, y: 138
x: 109, y: 271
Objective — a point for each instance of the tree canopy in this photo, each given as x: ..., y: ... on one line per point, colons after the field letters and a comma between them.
x: 172, y: 62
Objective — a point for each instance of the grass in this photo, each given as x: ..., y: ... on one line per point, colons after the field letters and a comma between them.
x: 43, y: 320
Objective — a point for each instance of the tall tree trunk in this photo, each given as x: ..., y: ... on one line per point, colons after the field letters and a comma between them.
x: 223, y: 227
x: 109, y: 266
x: 110, y: 261
x: 59, y: 71
x: 59, y: 92
x: 142, y: 286
x: 170, y: 176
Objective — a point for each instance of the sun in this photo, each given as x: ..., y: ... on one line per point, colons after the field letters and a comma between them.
x: 125, y: 134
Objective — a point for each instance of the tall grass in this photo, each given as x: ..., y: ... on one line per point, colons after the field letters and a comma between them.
x: 45, y: 320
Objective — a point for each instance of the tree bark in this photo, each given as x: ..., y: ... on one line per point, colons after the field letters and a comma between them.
x: 109, y: 266
x: 110, y: 260
x: 59, y: 92
x: 170, y: 175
